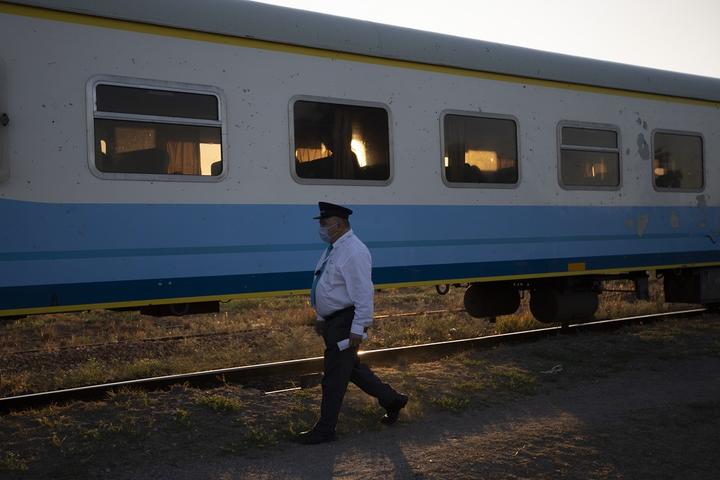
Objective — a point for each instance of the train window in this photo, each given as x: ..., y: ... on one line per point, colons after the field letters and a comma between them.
x: 589, y: 157
x: 678, y: 161
x: 480, y: 150
x: 156, y: 132
x: 342, y: 142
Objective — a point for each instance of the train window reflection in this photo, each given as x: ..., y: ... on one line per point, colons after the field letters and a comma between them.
x: 341, y: 142
x: 589, y: 157
x: 480, y: 150
x: 678, y: 161
x: 156, y: 132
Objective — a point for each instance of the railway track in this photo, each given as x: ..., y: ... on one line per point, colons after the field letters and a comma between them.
x: 179, y: 338
x: 289, y: 374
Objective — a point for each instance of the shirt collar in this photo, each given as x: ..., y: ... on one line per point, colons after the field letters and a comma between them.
x: 343, y: 238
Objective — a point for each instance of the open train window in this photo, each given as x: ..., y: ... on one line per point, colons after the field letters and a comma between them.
x: 589, y: 157
x: 152, y: 131
x: 678, y: 161
x: 479, y: 150
x: 344, y: 143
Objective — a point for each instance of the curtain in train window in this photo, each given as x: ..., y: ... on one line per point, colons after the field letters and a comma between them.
x: 589, y: 157
x: 678, y: 161
x: 480, y: 150
x: 161, y: 132
x: 341, y: 142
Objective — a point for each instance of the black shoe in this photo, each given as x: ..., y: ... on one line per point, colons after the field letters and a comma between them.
x: 393, y: 411
x: 311, y: 437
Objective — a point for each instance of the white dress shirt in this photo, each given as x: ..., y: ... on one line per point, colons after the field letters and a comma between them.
x: 346, y: 281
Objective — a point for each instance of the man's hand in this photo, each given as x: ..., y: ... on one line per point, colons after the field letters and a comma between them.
x: 355, y: 340
x: 319, y: 327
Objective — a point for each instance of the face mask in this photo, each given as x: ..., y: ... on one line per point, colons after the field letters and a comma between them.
x: 325, y: 233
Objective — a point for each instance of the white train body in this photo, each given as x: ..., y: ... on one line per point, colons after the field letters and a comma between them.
x: 73, y: 236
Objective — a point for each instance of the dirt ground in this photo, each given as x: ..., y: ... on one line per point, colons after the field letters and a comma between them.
x: 662, y: 421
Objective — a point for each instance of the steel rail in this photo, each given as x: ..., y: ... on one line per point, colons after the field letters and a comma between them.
x: 271, y: 373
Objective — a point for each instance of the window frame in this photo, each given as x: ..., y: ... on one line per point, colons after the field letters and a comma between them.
x: 131, y: 82
x: 340, y: 181
x: 589, y: 126
x: 702, y: 160
x: 491, y: 116
x: 4, y: 130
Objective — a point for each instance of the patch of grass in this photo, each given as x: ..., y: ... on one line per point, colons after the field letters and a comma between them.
x: 92, y: 434
x: 15, y: 383
x: 129, y: 397
x: 472, y: 386
x: 220, y: 403
x: 520, y: 321
x: 297, y: 425
x: 182, y: 416
x: 147, y: 367
x: 260, y: 437
x: 128, y: 426
x: 54, y: 423
x: 12, y: 462
x: 472, y: 362
x: 88, y: 373
x: 451, y: 402
x: 508, y: 378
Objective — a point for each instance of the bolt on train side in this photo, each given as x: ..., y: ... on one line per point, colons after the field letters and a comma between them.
x: 168, y: 155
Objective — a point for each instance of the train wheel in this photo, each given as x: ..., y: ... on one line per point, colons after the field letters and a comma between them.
x: 488, y: 300
x: 548, y: 305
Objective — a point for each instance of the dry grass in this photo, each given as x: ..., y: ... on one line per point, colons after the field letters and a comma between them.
x: 132, y: 429
x: 270, y: 329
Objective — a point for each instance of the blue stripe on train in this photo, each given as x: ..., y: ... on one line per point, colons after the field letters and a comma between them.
x: 138, y: 290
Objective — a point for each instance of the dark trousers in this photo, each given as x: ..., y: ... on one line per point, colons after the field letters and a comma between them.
x: 342, y: 367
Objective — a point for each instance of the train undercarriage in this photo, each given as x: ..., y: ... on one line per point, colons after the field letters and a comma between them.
x: 568, y: 300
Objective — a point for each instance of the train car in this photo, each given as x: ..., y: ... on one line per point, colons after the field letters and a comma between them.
x: 169, y: 154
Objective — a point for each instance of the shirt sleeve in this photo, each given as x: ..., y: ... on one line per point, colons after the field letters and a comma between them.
x: 357, y: 272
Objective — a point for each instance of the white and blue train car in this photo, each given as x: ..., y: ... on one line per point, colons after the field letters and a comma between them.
x: 172, y: 152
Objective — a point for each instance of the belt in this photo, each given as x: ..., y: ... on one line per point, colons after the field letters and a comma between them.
x: 339, y: 313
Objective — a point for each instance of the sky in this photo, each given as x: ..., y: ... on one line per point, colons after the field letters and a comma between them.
x: 677, y: 35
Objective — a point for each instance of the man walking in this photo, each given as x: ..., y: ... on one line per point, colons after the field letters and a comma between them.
x: 342, y: 296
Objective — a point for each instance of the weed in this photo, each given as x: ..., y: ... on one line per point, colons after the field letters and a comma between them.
x: 220, y: 403
x: 56, y: 441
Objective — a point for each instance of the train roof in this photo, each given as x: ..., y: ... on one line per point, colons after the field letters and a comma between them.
x: 259, y: 21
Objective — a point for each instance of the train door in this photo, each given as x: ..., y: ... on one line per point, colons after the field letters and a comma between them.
x: 4, y: 124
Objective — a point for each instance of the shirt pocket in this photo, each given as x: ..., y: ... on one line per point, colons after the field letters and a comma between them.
x: 333, y: 278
